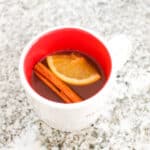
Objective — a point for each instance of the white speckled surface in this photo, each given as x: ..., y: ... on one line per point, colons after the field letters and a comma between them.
x: 126, y: 124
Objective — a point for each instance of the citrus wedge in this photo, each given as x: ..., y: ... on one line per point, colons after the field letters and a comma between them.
x: 73, y: 68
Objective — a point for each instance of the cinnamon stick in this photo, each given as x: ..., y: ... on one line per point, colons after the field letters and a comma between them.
x: 53, y: 88
x: 56, y: 82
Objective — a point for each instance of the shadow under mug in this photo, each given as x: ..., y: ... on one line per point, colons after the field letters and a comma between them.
x: 66, y: 117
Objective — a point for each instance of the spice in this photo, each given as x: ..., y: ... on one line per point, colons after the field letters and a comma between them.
x: 55, y: 84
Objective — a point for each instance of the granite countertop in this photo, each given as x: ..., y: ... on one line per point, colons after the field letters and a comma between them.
x: 126, y: 123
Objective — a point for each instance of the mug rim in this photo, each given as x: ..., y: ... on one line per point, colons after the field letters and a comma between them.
x: 43, y: 100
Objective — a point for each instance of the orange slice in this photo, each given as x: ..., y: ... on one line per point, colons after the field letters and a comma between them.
x: 73, y: 68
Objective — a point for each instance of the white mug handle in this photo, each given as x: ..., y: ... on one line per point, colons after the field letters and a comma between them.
x: 120, y: 49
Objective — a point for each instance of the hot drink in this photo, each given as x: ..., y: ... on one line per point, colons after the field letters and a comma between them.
x: 59, y: 64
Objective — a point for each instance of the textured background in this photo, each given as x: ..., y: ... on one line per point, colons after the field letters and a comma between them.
x: 126, y: 125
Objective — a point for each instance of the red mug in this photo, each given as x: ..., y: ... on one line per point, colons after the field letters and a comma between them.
x: 66, y: 117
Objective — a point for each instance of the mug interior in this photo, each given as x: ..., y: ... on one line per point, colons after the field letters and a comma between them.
x: 67, y: 39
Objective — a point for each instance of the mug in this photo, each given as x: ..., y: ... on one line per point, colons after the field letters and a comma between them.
x: 73, y: 116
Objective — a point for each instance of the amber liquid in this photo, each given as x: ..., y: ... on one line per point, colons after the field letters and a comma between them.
x: 84, y: 92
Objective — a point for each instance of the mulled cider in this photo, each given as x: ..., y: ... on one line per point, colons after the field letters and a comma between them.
x: 67, y: 77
